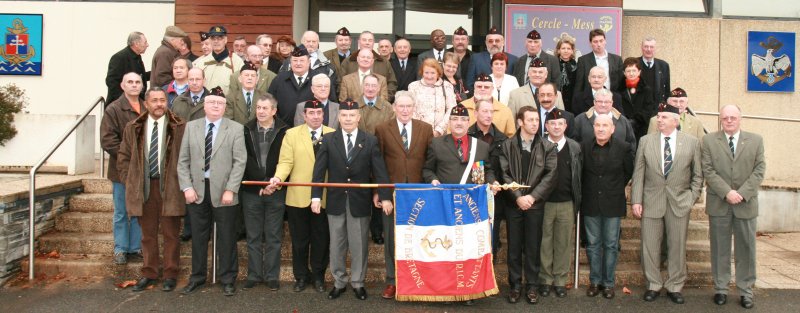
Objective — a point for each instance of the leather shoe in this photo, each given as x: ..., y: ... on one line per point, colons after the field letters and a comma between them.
x: 361, y: 293
x: 378, y: 239
x: 143, y: 283
x: 169, y: 285
x: 319, y: 286
x: 299, y: 285
x: 720, y: 299
x: 248, y: 284
x: 389, y: 292
x: 533, y: 298
x: 513, y: 296
x: 336, y: 292
x: 747, y: 303
x: 650, y: 295
x: 273, y: 285
x: 561, y: 291
x: 593, y: 290
x: 228, y: 289
x: 544, y: 290
x: 676, y: 297
x: 185, y: 237
x: 608, y: 292
x: 192, y: 287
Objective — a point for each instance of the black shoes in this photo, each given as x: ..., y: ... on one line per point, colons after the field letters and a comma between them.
x: 720, y: 299
x: 377, y: 239
x: 319, y: 286
x: 560, y: 291
x: 676, y: 297
x: 533, y: 298
x: 608, y: 292
x: 593, y: 290
x: 299, y: 285
x: 361, y: 293
x: 544, y: 290
x: 248, y: 284
x: 228, y: 289
x: 650, y: 295
x: 513, y: 295
x: 185, y: 237
x: 273, y: 285
x: 746, y: 302
x: 143, y: 283
x: 169, y: 285
x: 336, y: 292
x: 192, y: 287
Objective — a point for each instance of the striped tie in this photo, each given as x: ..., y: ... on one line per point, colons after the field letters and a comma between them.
x: 460, y: 152
x: 404, y: 135
x: 667, y: 157
x: 349, y: 148
x: 249, y: 101
x: 153, y: 157
x: 730, y: 144
x: 209, y: 143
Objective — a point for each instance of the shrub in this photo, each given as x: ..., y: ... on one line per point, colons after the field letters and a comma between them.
x: 12, y: 101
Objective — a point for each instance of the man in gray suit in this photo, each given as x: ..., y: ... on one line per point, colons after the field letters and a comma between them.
x: 437, y: 49
x: 320, y: 87
x: 210, y: 169
x: 733, y: 164
x: 533, y: 46
x: 667, y: 179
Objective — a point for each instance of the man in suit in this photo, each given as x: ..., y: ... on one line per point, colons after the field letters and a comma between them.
x: 264, y: 42
x: 380, y: 65
x: 734, y: 166
x: 525, y: 95
x: 189, y: 105
x: 482, y: 62
x: 502, y: 118
x: 437, y: 49
x: 403, y: 65
x: 404, y: 143
x: 560, y: 208
x: 583, y: 100
x: 373, y: 109
x: 530, y: 160
x: 340, y: 53
x: 320, y: 87
x: 240, y: 101
x: 255, y: 56
x: 602, y: 106
x: 546, y: 96
x: 148, y: 159
x: 385, y: 49
x: 292, y: 87
x: 460, y: 49
x: 210, y: 169
x: 126, y: 230
x: 655, y: 72
x: 533, y: 45
x: 308, y: 230
x: 609, y: 62
x: 318, y: 62
x: 689, y: 123
x: 667, y: 180
x: 351, y: 87
x: 349, y: 155
x: 607, y: 168
x: 127, y: 60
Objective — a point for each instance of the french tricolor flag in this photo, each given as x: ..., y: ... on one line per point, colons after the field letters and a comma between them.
x: 443, y: 242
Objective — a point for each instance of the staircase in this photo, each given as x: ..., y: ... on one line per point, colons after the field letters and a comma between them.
x: 84, y: 240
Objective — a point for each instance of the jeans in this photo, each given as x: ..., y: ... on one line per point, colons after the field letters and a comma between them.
x: 127, y: 233
x: 602, y: 248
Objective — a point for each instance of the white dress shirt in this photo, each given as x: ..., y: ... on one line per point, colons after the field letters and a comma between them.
x: 602, y: 61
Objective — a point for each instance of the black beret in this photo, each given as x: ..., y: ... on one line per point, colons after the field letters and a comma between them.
x: 663, y: 107
x: 459, y: 110
x: 534, y: 35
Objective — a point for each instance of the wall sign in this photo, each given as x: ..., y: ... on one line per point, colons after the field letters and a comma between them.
x: 770, y: 61
x: 21, y: 50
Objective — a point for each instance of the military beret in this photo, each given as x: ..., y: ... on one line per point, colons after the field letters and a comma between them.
x: 174, y: 31
x: 461, y: 31
x: 494, y: 31
x: 678, y: 93
x: 204, y: 36
x: 555, y: 114
x: 216, y: 91
x: 300, y: 51
x: 348, y: 104
x: 537, y: 62
x: 482, y: 77
x: 534, y: 35
x: 218, y: 30
x: 459, y: 110
x: 248, y: 66
x: 313, y: 104
x: 663, y: 107
x: 343, y: 32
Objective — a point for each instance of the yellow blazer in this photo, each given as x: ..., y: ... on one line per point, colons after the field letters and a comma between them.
x: 297, y: 162
x: 502, y: 117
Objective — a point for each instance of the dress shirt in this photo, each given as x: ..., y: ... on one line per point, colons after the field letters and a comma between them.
x: 561, y: 142
x: 361, y: 76
x: 672, y: 146
x: 602, y: 61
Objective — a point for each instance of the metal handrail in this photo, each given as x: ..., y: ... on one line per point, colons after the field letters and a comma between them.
x: 757, y: 117
x: 32, y: 192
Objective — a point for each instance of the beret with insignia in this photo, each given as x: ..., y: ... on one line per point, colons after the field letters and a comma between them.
x: 216, y: 91
x: 248, y: 66
x: 300, y: 51
x: 494, y: 31
x: 348, y: 104
x: 312, y: 104
x: 460, y: 31
x: 204, y: 36
x: 534, y: 35
x: 678, y: 93
x: 218, y: 30
x: 537, y: 62
x: 663, y: 107
x: 343, y: 32
x: 459, y: 110
x: 482, y: 77
x: 555, y: 114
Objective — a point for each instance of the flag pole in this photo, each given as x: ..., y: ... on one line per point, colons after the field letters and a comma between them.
x: 577, y: 247
x: 511, y: 186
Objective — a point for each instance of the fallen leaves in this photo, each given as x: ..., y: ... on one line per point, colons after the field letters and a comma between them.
x: 763, y: 234
x: 126, y: 284
x: 51, y: 255
x: 626, y: 290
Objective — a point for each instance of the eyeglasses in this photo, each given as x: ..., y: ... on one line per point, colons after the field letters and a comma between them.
x: 729, y: 118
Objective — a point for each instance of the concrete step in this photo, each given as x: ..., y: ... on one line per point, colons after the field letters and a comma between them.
x: 97, y: 185
x: 92, y: 202
x: 697, y: 230
x: 696, y: 251
x: 697, y: 213
x: 85, y: 222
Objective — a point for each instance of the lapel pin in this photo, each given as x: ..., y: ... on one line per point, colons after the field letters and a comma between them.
x: 359, y: 146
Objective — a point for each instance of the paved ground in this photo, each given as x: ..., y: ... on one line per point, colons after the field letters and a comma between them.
x: 102, y: 296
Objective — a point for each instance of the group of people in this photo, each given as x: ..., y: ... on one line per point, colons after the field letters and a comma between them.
x: 576, y: 132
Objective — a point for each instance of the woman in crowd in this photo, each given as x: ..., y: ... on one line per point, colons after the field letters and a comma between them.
x: 637, y: 99
x: 565, y: 49
x: 451, y: 76
x: 285, y: 46
x: 435, y: 97
x: 503, y: 83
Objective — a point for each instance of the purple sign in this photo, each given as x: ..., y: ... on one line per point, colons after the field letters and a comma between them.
x: 556, y: 22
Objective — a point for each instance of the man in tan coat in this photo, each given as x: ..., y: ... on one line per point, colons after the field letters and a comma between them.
x: 148, y: 164
x: 161, y: 69
x: 351, y: 84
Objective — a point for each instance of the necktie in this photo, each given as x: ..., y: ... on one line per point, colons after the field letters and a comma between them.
x: 361, y: 79
x: 730, y: 144
x: 248, y: 100
x: 314, y: 141
x: 403, y: 65
x: 371, y: 103
x: 349, y: 148
x: 404, y: 135
x: 209, y: 137
x: 195, y: 99
x: 649, y: 64
x: 460, y: 152
x: 153, y: 156
x: 299, y: 80
x: 439, y: 56
x: 667, y: 157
